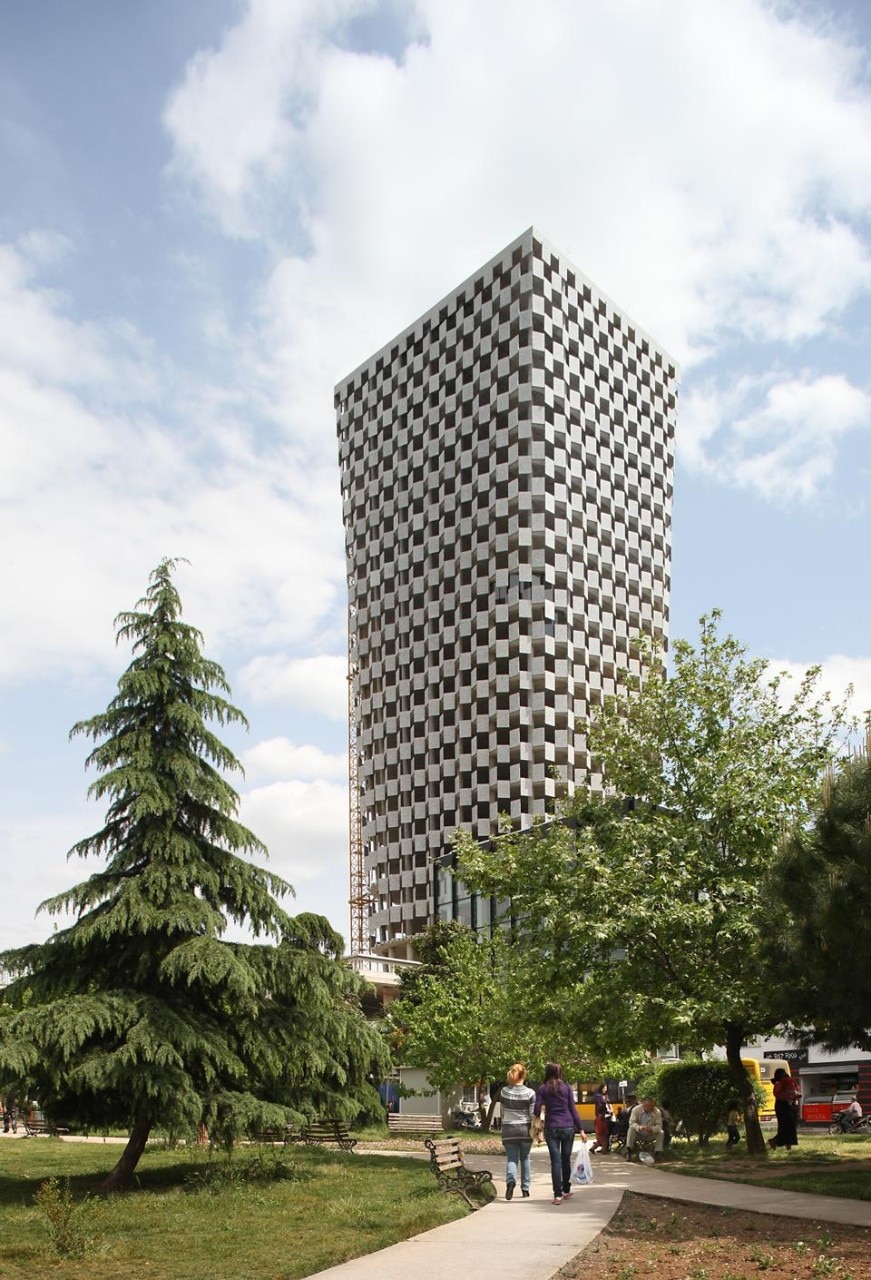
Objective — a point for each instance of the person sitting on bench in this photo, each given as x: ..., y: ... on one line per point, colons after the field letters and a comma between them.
x: 645, y: 1126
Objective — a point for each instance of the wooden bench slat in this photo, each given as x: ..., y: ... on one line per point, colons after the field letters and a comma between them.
x: 407, y: 1122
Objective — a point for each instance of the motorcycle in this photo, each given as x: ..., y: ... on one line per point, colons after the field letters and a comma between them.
x: 862, y: 1125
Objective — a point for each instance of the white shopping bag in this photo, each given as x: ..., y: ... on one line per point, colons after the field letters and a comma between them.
x: 582, y: 1173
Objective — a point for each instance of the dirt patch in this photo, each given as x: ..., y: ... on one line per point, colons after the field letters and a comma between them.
x: 758, y: 1172
x: 675, y: 1240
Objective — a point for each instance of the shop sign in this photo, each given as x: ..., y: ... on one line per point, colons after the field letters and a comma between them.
x: 797, y: 1056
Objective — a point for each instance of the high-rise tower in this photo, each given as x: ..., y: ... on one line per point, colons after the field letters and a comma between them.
x: 506, y: 475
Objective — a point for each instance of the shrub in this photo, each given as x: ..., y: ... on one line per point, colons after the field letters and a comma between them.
x: 72, y: 1225
x: 699, y: 1094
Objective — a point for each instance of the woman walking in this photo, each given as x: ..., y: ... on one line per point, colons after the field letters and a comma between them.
x: 561, y: 1123
x: 517, y: 1102
x: 787, y: 1093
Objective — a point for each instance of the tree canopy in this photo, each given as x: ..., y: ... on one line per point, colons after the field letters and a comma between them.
x: 467, y: 1014
x: 140, y: 1013
x: 451, y: 1015
x: 822, y: 950
x: 643, y: 908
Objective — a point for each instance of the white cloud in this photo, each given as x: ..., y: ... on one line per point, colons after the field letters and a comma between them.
x: 263, y: 568
x: 42, y: 341
x: 238, y: 119
x: 315, y: 684
x: 34, y: 853
x: 305, y: 827
x: 98, y: 484
x: 44, y: 246
x: 746, y: 134
x: 838, y: 673
x: 303, y: 824
x: 779, y: 438
x: 733, y: 142
x: 281, y: 758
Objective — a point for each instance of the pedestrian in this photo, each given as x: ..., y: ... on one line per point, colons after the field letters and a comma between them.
x: 561, y: 1123
x: 10, y: 1112
x: 787, y: 1093
x: 518, y: 1101
x: 604, y: 1119
x: 733, y: 1120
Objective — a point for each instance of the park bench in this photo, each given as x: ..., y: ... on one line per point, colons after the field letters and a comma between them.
x: 408, y: 1123
x: 450, y: 1171
x: 38, y: 1126
x: 285, y: 1135
x: 315, y: 1133
x: 319, y: 1132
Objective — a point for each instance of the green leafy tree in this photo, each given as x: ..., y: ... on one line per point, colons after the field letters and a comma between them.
x: 823, y: 948
x: 465, y: 1016
x: 451, y: 1016
x: 140, y: 1013
x: 645, y: 908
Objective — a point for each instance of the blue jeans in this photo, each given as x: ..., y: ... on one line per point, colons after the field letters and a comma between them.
x: 559, y: 1144
x: 517, y: 1152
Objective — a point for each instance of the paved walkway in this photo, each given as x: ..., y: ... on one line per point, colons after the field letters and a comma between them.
x: 531, y: 1239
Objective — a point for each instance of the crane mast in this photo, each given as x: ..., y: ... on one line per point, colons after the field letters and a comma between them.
x: 359, y: 897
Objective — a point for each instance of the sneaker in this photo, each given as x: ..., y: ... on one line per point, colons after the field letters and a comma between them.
x: 509, y: 1190
x: 557, y: 1200
x: 525, y: 1194
x: 566, y: 1195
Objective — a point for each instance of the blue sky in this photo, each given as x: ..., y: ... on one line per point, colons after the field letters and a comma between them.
x: 211, y: 211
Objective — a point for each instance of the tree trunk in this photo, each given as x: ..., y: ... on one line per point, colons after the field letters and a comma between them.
x: 122, y: 1175
x: 752, y: 1129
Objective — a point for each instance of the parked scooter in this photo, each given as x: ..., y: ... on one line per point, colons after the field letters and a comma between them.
x: 465, y: 1116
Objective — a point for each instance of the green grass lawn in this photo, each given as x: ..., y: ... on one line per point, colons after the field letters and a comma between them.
x: 339, y: 1207
x: 821, y: 1163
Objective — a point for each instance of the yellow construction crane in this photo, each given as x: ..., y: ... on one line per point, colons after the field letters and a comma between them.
x: 359, y: 897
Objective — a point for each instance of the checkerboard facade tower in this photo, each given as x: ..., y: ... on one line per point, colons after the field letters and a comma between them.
x: 506, y: 468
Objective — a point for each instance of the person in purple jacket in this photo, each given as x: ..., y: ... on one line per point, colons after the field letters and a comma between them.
x: 561, y: 1123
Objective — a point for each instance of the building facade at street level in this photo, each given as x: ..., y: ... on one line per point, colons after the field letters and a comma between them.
x: 506, y: 468
x: 828, y: 1080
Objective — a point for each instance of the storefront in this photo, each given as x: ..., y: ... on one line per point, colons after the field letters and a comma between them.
x: 828, y: 1081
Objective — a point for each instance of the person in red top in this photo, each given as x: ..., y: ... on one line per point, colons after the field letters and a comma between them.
x: 787, y: 1094
x: 604, y: 1118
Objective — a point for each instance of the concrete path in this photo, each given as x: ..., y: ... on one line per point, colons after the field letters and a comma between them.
x: 531, y: 1239
x: 524, y: 1240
